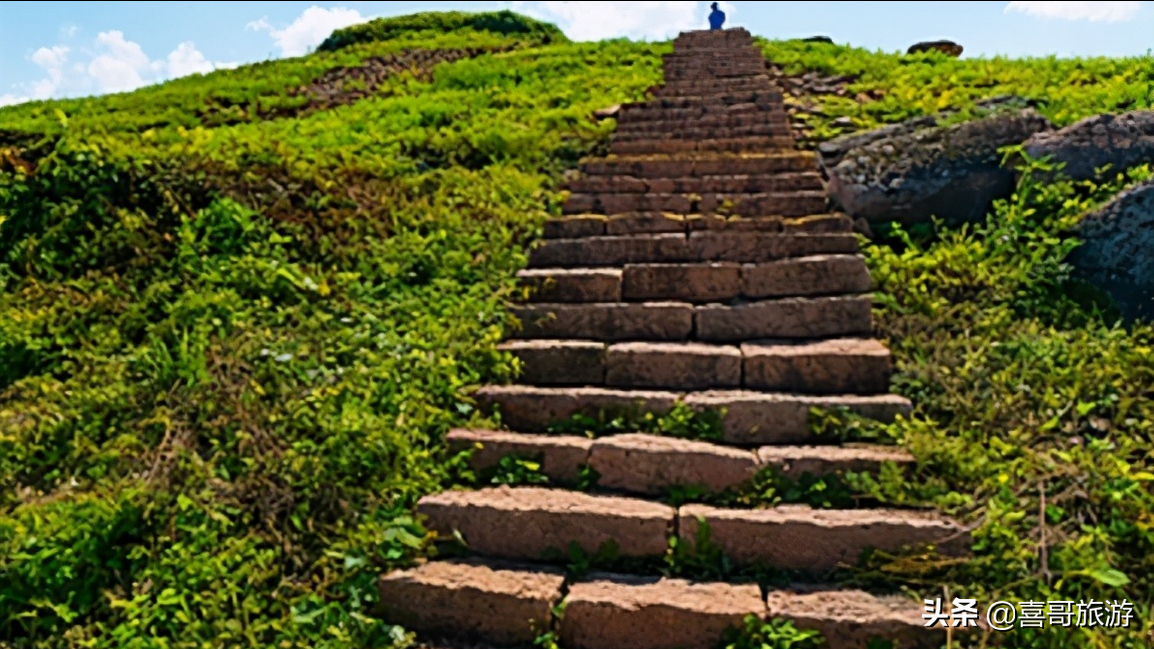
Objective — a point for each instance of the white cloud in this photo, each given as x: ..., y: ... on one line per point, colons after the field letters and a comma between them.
x: 51, y: 60
x: 186, y: 59
x: 1109, y: 12
x: 50, y: 57
x: 309, y: 29
x: 121, y: 66
x: 112, y: 64
x: 590, y: 21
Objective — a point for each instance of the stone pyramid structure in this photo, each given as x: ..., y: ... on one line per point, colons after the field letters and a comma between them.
x: 695, y: 265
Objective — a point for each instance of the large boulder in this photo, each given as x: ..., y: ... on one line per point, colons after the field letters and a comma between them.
x: 1121, y: 141
x: 916, y: 170
x: 832, y: 151
x: 949, y: 48
x: 1116, y: 254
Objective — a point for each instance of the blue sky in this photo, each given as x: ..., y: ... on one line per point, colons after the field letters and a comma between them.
x: 68, y: 49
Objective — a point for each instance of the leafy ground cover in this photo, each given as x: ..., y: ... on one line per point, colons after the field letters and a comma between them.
x: 232, y: 337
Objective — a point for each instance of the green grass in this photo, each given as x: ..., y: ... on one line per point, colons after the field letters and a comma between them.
x: 230, y: 346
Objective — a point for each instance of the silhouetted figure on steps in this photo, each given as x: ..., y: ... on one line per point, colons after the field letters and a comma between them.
x: 716, y: 17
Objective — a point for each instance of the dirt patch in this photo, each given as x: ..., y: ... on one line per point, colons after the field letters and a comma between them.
x: 344, y: 85
x: 339, y: 86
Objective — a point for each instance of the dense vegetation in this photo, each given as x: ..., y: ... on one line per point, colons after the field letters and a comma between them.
x: 232, y: 337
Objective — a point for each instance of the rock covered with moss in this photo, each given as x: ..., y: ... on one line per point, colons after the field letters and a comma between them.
x: 949, y: 48
x: 916, y: 170
x: 1115, y: 253
x: 1120, y: 141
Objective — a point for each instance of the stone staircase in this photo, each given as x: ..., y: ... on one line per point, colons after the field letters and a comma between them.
x: 694, y: 266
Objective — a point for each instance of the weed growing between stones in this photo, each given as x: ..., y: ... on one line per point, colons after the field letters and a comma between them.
x: 681, y: 421
x: 755, y: 633
x: 515, y: 471
x: 769, y: 487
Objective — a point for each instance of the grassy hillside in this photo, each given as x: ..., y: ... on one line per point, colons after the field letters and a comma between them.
x: 236, y: 322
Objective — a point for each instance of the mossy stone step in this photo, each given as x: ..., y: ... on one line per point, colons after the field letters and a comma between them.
x: 748, y: 247
x: 652, y: 464
x: 541, y: 524
x: 750, y: 418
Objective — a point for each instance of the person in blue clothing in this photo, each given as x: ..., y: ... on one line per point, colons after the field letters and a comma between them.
x: 716, y: 17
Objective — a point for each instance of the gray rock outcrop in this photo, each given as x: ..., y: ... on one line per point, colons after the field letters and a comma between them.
x: 949, y: 48
x: 1122, y: 141
x: 915, y: 170
x: 1117, y: 255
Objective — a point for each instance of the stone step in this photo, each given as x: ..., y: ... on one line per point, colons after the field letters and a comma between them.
x: 739, y: 58
x: 791, y: 203
x: 838, y: 366
x: 548, y: 521
x: 697, y: 84
x: 715, y: 123
x: 498, y: 603
x: 721, y: 55
x: 626, y: 223
x: 769, y: 98
x: 559, y: 362
x: 468, y: 599
x: 644, y: 111
x: 675, y: 366
x: 699, y: 246
x: 655, y: 117
x: 659, y: 222
x: 716, y: 61
x: 698, y: 72
x: 571, y: 284
x: 737, y: 65
x: 736, y: 184
x: 635, y: 463
x: 560, y: 456
x: 819, y: 275
x: 704, y: 47
x: 614, y: 611
x: 608, y: 611
x: 793, y: 318
x: 696, y: 67
x: 703, y: 133
x: 620, y: 321
x: 815, y: 540
x: 729, y: 58
x: 651, y: 464
x: 689, y: 44
x: 749, y: 418
x: 575, y: 226
x: 822, y: 274
x: 730, y: 145
x: 700, y: 282
x: 790, y: 537
x: 713, y: 86
x: 795, y: 462
x: 706, y: 165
